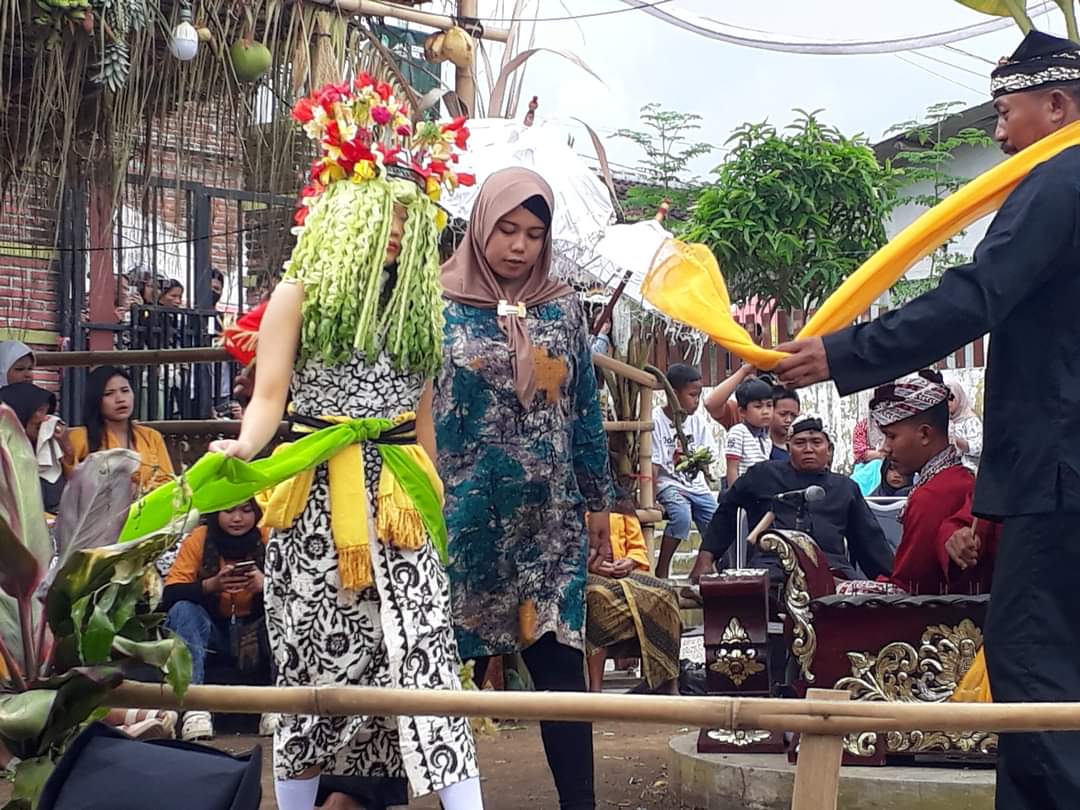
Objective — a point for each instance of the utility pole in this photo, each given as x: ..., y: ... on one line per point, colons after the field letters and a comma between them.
x: 465, y: 78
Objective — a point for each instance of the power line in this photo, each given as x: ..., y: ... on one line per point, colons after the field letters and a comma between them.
x: 712, y: 28
x: 948, y: 64
x: 939, y: 75
x: 982, y: 59
x: 565, y: 18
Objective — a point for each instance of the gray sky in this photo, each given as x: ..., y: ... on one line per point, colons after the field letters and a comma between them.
x: 642, y: 59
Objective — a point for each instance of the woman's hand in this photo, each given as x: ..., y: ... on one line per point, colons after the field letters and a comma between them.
x: 216, y: 583
x: 961, y: 444
x: 256, y: 581
x: 599, y: 528
x: 60, y: 433
x: 233, y: 448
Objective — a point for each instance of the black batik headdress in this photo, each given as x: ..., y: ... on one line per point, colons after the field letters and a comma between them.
x: 1041, y: 61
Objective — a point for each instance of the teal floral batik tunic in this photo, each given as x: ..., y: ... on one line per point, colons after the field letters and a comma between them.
x: 519, y: 480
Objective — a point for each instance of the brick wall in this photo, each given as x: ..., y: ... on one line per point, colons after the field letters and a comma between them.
x: 28, y: 269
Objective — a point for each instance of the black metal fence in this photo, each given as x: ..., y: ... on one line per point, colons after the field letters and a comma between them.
x: 220, y: 248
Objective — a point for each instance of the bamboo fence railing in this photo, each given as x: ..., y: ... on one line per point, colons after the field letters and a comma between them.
x: 643, y: 425
x: 823, y: 718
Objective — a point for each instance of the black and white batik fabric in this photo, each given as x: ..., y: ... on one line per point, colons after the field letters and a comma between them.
x: 396, y: 634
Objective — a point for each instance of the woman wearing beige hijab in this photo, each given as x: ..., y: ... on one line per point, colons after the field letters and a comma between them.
x: 523, y: 455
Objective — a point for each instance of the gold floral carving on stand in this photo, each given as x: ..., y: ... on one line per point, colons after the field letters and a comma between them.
x: 861, y: 745
x: 796, y: 595
x: 739, y: 737
x: 734, y: 633
x: 899, y: 673
x: 732, y: 662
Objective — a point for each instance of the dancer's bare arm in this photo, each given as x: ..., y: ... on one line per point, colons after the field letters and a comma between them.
x: 279, y: 337
x: 425, y: 422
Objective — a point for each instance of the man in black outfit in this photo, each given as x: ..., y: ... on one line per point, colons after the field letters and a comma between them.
x: 1023, y: 287
x: 841, y: 514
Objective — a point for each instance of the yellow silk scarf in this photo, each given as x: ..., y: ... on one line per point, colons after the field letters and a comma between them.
x: 399, y: 523
x: 686, y: 284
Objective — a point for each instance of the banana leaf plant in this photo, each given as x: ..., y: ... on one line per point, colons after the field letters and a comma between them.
x: 72, y: 620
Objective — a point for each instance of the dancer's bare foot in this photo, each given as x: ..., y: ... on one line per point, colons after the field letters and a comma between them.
x: 340, y: 801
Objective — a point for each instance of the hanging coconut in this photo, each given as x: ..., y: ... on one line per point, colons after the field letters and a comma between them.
x: 458, y: 46
x: 433, y: 47
x: 250, y: 60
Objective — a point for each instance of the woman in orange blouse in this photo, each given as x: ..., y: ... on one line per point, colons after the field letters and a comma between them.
x: 107, y: 410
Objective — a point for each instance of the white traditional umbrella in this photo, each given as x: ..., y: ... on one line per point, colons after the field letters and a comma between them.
x: 583, y: 207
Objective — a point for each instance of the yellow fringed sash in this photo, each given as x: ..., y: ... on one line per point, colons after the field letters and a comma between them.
x: 974, y: 687
x: 398, y: 522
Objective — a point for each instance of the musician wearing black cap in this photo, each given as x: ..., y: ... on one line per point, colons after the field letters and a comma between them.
x: 1023, y: 287
x: 840, y: 511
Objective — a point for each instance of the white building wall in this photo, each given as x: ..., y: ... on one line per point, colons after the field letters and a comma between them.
x: 968, y: 162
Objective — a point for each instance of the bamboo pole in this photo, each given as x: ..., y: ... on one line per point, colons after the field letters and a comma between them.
x: 629, y: 426
x: 216, y: 354
x: 817, y: 776
x: 626, y: 370
x: 810, y: 716
x: 646, y: 489
x: 132, y: 357
x: 465, y: 76
x: 371, y: 8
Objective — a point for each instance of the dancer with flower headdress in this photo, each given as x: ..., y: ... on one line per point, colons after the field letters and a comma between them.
x: 355, y: 590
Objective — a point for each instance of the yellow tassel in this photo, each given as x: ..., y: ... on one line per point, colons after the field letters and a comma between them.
x: 354, y: 567
x: 399, y: 526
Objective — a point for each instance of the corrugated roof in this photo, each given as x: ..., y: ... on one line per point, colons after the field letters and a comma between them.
x: 982, y: 117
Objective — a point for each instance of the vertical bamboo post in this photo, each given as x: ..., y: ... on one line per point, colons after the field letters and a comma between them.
x: 817, y: 776
x: 464, y: 78
x: 646, y: 495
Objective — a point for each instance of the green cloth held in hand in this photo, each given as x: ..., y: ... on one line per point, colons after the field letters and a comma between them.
x: 218, y: 483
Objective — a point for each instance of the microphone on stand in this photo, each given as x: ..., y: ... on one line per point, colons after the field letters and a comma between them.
x: 801, y: 496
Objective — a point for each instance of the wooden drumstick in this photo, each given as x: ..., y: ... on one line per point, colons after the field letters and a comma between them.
x: 763, y: 524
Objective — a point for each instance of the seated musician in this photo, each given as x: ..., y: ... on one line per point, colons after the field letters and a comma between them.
x: 938, y: 552
x: 841, y: 514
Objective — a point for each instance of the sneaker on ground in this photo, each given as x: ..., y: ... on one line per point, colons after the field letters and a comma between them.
x: 197, y: 726
x: 268, y: 724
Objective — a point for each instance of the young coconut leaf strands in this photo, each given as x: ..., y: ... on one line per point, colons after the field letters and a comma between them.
x: 353, y: 302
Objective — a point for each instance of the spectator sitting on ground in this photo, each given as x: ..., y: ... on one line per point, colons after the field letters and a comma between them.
x: 624, y: 603
x: 109, y: 409
x: 683, y: 497
x: 214, y: 598
x: 16, y: 363
x: 748, y: 442
x: 34, y: 407
x: 786, y: 410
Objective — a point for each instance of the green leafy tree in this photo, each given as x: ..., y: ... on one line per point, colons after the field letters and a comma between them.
x: 792, y: 213
x: 925, y: 165
x: 666, y: 140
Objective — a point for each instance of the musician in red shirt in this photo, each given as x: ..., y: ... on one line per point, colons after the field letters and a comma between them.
x: 939, y: 553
